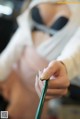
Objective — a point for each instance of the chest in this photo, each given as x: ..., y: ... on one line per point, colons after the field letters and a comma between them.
x: 39, y: 38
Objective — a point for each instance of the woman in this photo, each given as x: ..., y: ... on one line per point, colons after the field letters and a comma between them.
x: 33, y: 58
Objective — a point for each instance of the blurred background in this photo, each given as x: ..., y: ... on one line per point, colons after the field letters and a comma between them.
x: 9, y: 10
x: 67, y: 107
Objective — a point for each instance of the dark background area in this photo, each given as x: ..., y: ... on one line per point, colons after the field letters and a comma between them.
x: 8, y: 24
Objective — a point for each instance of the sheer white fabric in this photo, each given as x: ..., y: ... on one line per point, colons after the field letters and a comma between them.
x: 22, y: 37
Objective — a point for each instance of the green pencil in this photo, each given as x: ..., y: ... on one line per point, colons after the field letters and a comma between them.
x: 41, y: 103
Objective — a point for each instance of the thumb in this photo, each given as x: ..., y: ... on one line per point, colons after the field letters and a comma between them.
x: 52, y: 68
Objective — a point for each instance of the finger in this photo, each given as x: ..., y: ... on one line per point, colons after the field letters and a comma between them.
x: 58, y: 83
x: 52, y: 68
x: 54, y: 92
x: 37, y: 87
x: 41, y: 84
x: 51, y: 97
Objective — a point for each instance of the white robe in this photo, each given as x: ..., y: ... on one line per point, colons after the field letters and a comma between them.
x: 52, y: 48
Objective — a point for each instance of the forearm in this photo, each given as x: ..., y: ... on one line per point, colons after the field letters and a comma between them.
x: 71, y: 56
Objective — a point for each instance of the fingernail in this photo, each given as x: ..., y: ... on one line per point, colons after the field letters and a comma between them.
x: 42, y: 75
x: 42, y: 79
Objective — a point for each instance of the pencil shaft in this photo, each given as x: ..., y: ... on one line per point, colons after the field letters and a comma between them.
x: 41, y: 103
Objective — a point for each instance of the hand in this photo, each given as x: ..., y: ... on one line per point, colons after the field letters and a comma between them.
x: 58, y: 83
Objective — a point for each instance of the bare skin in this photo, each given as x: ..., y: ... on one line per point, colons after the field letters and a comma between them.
x: 58, y: 83
x: 19, y: 88
x: 49, y: 13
